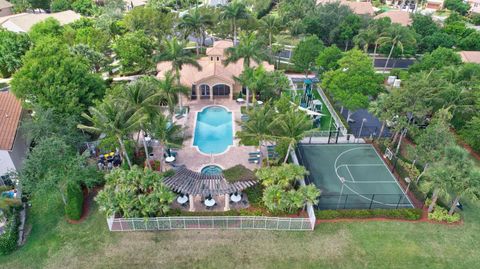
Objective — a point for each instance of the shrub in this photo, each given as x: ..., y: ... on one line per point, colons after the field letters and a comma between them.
x: 402, y: 213
x: 74, y: 206
x: 255, y: 194
x: 441, y: 214
x: 238, y: 173
x: 9, y: 239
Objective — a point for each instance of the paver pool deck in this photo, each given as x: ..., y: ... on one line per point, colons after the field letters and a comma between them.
x: 193, y: 159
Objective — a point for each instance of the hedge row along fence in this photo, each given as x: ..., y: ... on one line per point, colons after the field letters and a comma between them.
x: 402, y: 213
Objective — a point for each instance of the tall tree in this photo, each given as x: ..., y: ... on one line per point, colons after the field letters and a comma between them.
x: 169, y: 92
x: 174, y: 51
x: 250, y: 49
x: 397, y: 37
x: 12, y: 47
x: 53, y: 77
x: 270, y: 26
x: 328, y: 59
x: 306, y: 52
x: 114, y: 119
x: 155, y: 23
x: 436, y: 60
x: 196, y: 23
x: 353, y: 82
x: 134, y: 51
x: 234, y: 11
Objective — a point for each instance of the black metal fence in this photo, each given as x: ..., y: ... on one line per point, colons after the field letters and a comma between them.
x: 363, y: 201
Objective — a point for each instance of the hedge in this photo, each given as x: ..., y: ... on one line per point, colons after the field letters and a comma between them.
x: 9, y: 239
x: 402, y: 213
x: 74, y: 206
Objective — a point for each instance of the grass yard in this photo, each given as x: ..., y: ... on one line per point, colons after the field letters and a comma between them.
x: 55, y: 244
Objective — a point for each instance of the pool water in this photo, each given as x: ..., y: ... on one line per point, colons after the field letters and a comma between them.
x: 211, y: 170
x: 213, y: 131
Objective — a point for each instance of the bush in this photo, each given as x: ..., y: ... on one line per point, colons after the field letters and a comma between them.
x: 238, y: 173
x: 402, y: 213
x: 9, y: 239
x: 74, y: 206
x: 441, y: 214
x: 255, y: 194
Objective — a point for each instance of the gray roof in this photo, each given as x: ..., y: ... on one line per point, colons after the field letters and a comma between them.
x: 189, y: 182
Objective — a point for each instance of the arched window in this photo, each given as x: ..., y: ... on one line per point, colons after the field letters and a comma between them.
x: 221, y: 90
x: 204, y: 91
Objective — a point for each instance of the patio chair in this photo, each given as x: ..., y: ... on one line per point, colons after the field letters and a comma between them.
x: 253, y: 160
x: 254, y: 154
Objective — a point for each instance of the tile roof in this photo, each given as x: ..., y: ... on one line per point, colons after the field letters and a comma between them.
x: 24, y: 21
x: 212, y: 66
x: 396, y: 16
x: 359, y: 8
x: 10, y: 112
x: 5, y: 4
x: 188, y: 182
x: 470, y: 56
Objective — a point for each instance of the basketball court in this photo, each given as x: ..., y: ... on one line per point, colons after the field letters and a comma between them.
x: 351, y: 176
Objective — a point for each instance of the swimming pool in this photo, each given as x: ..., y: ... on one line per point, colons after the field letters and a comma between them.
x: 213, y: 131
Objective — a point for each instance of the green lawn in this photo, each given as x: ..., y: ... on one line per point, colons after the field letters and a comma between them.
x: 55, y: 244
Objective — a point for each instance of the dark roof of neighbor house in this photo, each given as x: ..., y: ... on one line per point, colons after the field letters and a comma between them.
x: 189, y: 182
x: 10, y: 113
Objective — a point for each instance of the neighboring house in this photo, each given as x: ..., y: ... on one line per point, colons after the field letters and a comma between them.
x: 434, y: 4
x: 134, y: 3
x: 23, y: 22
x: 359, y: 8
x: 214, y: 80
x: 216, y: 2
x: 13, y: 145
x: 5, y: 8
x: 474, y: 6
x: 470, y: 56
x: 396, y: 16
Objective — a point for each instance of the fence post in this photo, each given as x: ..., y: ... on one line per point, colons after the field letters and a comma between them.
x: 399, y: 200
x: 184, y: 223
x: 170, y: 222
x: 158, y: 225
x: 290, y: 224
x: 213, y: 223
x: 133, y: 224
x: 371, y: 201
x: 345, y: 202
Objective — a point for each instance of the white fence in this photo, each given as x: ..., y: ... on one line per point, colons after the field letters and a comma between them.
x: 212, y: 222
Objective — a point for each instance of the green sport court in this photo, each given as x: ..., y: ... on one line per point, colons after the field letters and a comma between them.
x: 351, y: 176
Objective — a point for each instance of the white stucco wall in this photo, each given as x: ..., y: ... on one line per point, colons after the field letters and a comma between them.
x: 6, y: 163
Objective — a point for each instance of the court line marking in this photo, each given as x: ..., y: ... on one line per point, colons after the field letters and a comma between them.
x: 353, y: 179
x: 371, y: 182
x: 394, y: 178
x: 366, y: 198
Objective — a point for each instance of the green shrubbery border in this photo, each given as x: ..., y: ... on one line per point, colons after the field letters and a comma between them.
x: 74, y: 206
x: 401, y: 213
x: 9, y: 239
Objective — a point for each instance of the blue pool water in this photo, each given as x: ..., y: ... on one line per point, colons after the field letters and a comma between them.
x: 211, y: 170
x: 213, y: 132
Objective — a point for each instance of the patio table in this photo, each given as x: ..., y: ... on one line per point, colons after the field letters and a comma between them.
x: 236, y: 198
x: 209, y: 202
x: 182, y: 199
x: 170, y: 159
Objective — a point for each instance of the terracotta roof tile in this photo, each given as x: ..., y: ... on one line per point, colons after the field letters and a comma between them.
x: 359, y: 8
x: 396, y: 16
x: 10, y: 112
x: 470, y: 56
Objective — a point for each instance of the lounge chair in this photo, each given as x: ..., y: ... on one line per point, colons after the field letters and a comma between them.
x: 254, y: 154
x: 253, y: 160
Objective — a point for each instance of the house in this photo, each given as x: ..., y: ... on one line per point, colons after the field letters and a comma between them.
x: 397, y: 16
x: 23, y: 22
x: 470, y: 56
x: 474, y: 6
x: 214, y: 80
x: 359, y: 8
x: 13, y: 145
x: 5, y: 8
x: 434, y: 4
x: 130, y: 4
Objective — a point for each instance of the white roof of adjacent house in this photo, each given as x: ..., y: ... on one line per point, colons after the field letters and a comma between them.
x: 23, y: 22
x: 5, y: 4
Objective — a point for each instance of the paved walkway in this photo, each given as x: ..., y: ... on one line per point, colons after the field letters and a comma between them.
x: 193, y: 159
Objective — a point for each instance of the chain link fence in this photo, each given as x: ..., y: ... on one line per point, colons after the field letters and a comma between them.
x: 211, y: 222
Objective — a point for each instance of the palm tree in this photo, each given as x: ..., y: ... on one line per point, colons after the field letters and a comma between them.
x: 113, y: 119
x: 273, y: 198
x: 141, y: 96
x: 367, y: 37
x: 310, y: 194
x: 169, y: 92
x: 175, y: 52
x: 292, y: 126
x: 397, y: 36
x: 249, y: 49
x: 256, y: 127
x: 167, y: 133
x: 437, y: 175
x: 234, y: 11
x: 254, y: 79
x: 464, y: 179
x: 380, y: 109
x: 196, y: 23
x: 269, y: 25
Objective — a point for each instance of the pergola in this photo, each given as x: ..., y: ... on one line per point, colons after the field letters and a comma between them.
x: 192, y: 183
